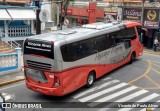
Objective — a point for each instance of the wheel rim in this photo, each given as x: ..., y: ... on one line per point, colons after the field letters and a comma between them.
x: 90, y: 79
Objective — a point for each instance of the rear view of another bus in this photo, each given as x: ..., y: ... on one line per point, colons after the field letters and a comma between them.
x: 39, y: 65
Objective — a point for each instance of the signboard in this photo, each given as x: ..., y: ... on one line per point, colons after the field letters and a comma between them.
x: 151, y: 18
x: 66, y: 21
x: 110, y: 13
x: 41, y: 48
x: 44, y: 16
x: 113, y: 13
x: 90, y: 10
x: 133, y: 14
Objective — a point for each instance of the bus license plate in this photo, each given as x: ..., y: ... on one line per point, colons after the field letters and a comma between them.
x: 35, y: 74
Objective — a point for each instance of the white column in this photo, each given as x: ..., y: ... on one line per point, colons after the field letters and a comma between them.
x: 18, y: 51
x: 5, y: 28
x: 57, y: 14
x: 32, y: 26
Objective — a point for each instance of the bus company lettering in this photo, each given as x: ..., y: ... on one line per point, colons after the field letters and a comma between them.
x: 101, y: 55
x: 39, y: 45
x: 45, y: 45
x: 34, y: 44
x: 116, y: 49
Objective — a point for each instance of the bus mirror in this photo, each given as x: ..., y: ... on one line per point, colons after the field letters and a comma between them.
x: 144, y: 31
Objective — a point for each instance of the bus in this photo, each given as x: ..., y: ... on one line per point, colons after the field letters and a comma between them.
x: 63, y: 61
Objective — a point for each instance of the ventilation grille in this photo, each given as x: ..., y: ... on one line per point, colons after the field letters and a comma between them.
x: 39, y: 65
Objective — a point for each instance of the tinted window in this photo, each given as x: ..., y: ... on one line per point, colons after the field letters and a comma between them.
x: 40, y: 48
x: 101, y: 43
x: 140, y: 32
x: 128, y: 33
x: 77, y: 50
x: 111, y: 39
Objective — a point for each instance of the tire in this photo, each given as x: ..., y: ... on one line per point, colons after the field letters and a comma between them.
x: 90, y: 79
x: 131, y: 59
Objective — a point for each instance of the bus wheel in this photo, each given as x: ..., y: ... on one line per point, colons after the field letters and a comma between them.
x: 132, y: 58
x: 90, y: 79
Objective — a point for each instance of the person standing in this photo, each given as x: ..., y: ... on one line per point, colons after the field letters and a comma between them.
x: 156, y: 44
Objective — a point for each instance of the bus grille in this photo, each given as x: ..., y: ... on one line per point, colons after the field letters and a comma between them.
x: 39, y: 65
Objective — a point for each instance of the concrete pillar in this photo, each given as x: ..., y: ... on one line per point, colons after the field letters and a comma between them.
x: 54, y: 13
x: 18, y: 51
x: 32, y: 26
x: 5, y: 28
x: 57, y: 14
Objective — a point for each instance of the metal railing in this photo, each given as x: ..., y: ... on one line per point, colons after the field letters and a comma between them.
x: 10, y: 42
x: 1, y: 31
x: 19, y: 31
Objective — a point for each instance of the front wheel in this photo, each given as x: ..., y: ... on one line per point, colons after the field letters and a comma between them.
x: 132, y: 58
x: 90, y: 79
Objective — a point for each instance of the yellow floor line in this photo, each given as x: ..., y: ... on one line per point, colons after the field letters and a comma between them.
x: 137, y: 86
x: 151, y: 61
x: 148, y: 69
x: 156, y: 62
x: 152, y: 88
x: 156, y: 65
x: 155, y: 70
x: 154, y: 82
x: 155, y: 53
x: 11, y: 81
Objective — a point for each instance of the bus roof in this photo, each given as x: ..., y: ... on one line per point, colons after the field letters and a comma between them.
x: 84, y: 32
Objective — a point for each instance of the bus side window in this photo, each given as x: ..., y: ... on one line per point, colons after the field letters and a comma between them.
x: 70, y: 52
x: 84, y: 50
x: 107, y: 42
x: 91, y: 46
x: 111, y: 40
x: 77, y: 51
x: 140, y: 33
x: 128, y: 33
x: 125, y: 36
x: 88, y: 47
x: 101, y: 43
x: 118, y: 39
x: 64, y: 52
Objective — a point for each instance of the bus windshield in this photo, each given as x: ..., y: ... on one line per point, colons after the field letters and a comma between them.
x: 39, y: 48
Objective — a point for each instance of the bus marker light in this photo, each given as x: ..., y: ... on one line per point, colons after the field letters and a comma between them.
x: 56, y: 81
x: 140, y: 53
x: 51, y: 76
x: 52, y: 42
x: 56, y: 84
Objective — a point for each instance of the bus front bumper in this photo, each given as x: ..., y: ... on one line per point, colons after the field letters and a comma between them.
x: 45, y: 90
